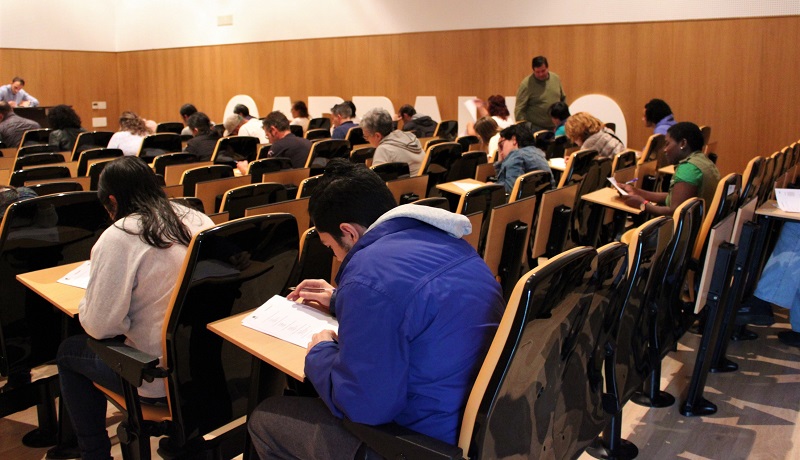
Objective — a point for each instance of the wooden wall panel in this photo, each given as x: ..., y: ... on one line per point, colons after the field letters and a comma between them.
x: 74, y: 78
x: 737, y: 75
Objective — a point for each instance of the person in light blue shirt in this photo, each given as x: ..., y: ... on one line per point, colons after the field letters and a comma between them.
x: 658, y: 115
x: 517, y: 155
x: 16, y: 96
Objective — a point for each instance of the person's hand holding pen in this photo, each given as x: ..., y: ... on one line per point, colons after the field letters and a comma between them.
x: 628, y: 187
x: 318, y: 291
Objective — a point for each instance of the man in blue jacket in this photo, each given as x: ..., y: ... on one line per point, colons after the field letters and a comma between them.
x: 417, y: 310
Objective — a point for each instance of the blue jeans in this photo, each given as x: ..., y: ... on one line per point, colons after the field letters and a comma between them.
x: 78, y: 369
x: 779, y: 280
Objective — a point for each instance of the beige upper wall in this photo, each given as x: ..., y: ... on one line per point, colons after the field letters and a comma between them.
x: 128, y: 25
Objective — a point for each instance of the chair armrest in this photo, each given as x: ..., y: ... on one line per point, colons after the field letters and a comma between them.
x: 394, y: 441
x: 131, y: 364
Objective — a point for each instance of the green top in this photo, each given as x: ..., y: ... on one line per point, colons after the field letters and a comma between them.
x: 534, y: 97
x: 697, y: 170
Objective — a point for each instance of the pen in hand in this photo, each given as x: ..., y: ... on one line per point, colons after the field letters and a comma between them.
x: 632, y: 180
x: 309, y: 289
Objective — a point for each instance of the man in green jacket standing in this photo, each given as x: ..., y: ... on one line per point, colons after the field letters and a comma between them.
x: 537, y: 93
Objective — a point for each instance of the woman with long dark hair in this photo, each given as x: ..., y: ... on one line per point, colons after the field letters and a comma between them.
x: 134, y: 268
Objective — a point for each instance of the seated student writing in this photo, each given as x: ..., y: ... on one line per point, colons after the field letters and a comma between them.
x: 695, y: 175
x: 134, y: 267
x: 417, y: 310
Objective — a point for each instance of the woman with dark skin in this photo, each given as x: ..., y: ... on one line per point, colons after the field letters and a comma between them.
x: 695, y: 175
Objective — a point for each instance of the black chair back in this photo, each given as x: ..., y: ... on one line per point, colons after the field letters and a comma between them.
x: 624, y: 159
x: 725, y: 200
x: 94, y: 173
x: 580, y: 166
x: 40, y: 233
x: 190, y: 202
x: 33, y: 149
x: 324, y: 151
x: 90, y: 140
x: 355, y: 136
x: 319, y: 123
x: 392, y: 171
x: 159, y: 144
x: 202, y: 174
x: 263, y: 166
x: 465, y: 166
x: 230, y: 268
x: 297, y: 130
x: 35, y: 137
x: 654, y: 149
x: 628, y: 365
x: 36, y: 159
x: 318, y: 134
x: 585, y: 222
x: 768, y: 182
x: 434, y: 202
x: 752, y: 180
x: 542, y: 139
x: 174, y: 127
x: 316, y: 259
x: 307, y: 186
x: 362, y: 154
x: 237, y: 200
x: 466, y: 141
x: 541, y: 385
x: 439, y: 161
x: 95, y: 154
x: 161, y: 162
x: 229, y: 150
x: 556, y: 148
x: 447, y: 129
x: 51, y: 188
x: 483, y: 199
x: 19, y: 177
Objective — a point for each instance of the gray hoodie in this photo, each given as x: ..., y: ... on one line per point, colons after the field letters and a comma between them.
x: 400, y: 147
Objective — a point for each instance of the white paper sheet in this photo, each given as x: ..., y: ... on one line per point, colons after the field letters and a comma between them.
x: 616, y: 186
x: 289, y: 321
x: 558, y: 163
x: 466, y: 186
x: 79, y: 277
x: 788, y: 199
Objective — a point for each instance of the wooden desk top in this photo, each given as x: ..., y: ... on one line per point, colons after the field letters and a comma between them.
x: 45, y: 283
x: 771, y: 209
x: 669, y: 169
x: 282, y: 355
x: 557, y: 164
x: 609, y: 198
x: 452, y: 187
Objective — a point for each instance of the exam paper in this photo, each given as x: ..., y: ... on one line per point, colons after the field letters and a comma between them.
x: 289, y: 321
x: 788, y: 199
x: 466, y: 186
x: 616, y: 186
x: 79, y: 277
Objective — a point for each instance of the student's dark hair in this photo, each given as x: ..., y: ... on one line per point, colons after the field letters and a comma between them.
x: 187, y: 110
x: 200, y: 122
x: 523, y: 134
x: 137, y: 191
x: 559, y: 110
x: 497, y: 106
x: 407, y: 109
x: 656, y: 110
x: 62, y: 116
x: 241, y: 110
x: 689, y: 131
x: 352, y: 108
x: 301, y: 108
x: 5, y: 108
x: 18, y: 79
x: 539, y: 61
x: 348, y: 193
x: 278, y: 120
